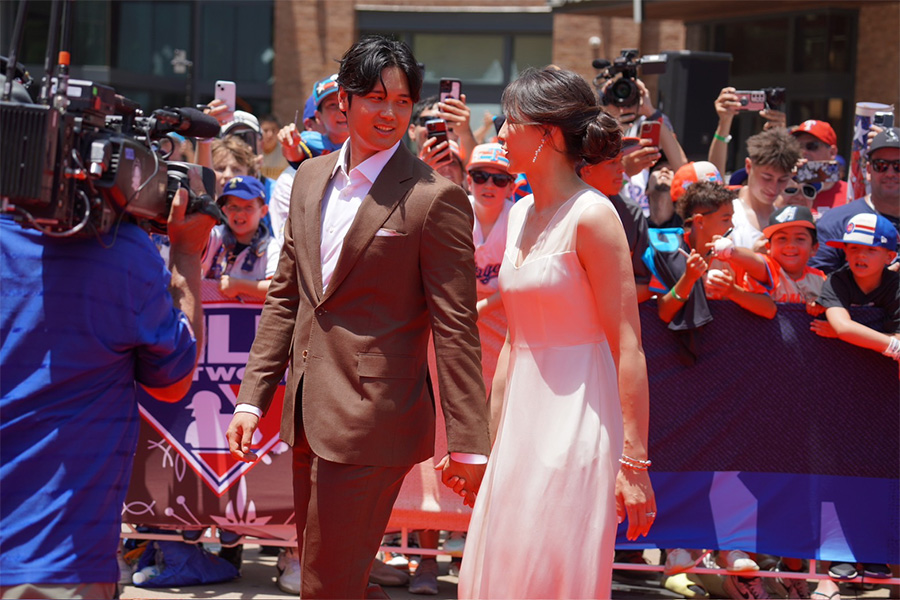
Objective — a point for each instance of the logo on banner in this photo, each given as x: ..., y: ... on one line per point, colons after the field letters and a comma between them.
x: 195, y: 426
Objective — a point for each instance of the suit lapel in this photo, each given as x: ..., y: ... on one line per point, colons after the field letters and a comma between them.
x: 315, y: 195
x: 391, y: 186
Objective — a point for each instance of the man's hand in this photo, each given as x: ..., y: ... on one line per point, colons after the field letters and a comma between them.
x: 188, y: 234
x: 643, y: 158
x: 727, y: 104
x: 645, y: 104
x: 240, y: 435
x: 227, y: 287
x: 218, y: 109
x: 464, y: 479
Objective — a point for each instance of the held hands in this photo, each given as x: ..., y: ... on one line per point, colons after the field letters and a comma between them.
x: 240, y: 435
x: 464, y: 479
x: 636, y: 501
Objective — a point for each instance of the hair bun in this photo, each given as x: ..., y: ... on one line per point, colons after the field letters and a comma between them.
x: 602, y: 139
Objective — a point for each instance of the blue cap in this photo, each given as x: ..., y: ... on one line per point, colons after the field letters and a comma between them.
x: 868, y: 229
x: 243, y: 187
x: 309, y: 109
x: 323, y: 89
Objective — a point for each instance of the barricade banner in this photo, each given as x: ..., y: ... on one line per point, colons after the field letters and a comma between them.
x: 775, y: 441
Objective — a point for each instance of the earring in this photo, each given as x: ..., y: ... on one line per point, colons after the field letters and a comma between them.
x: 538, y: 151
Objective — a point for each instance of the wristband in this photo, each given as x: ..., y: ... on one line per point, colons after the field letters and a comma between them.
x: 724, y: 140
x: 893, y: 349
x: 675, y: 295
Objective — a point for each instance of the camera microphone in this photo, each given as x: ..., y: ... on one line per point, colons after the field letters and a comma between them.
x: 188, y: 122
x: 600, y: 63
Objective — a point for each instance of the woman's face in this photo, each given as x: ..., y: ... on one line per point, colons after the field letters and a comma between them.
x: 520, y: 142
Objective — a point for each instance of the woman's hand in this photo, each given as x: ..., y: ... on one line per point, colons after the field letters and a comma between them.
x: 636, y: 501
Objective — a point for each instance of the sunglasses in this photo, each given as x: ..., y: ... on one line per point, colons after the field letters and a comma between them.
x: 500, y: 179
x: 812, y: 146
x: 807, y: 189
x: 880, y: 165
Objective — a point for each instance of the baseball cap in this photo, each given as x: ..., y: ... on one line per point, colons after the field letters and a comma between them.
x: 309, y: 109
x: 488, y: 155
x: 889, y: 138
x: 324, y: 88
x: 243, y: 187
x: 868, y: 229
x: 818, y: 129
x: 691, y: 173
x: 789, y: 216
x: 242, y: 121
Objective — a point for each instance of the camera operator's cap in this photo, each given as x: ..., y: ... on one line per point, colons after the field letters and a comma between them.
x: 889, y: 138
x: 868, y: 229
x: 789, y: 216
x: 243, y: 187
x: 818, y: 129
x: 309, y: 109
x: 692, y: 173
x: 324, y: 88
x: 488, y: 155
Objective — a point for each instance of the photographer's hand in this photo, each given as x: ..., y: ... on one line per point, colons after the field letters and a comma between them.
x: 774, y: 118
x: 458, y: 117
x: 434, y: 154
x: 645, y: 105
x: 643, y: 158
x: 726, y: 106
x: 218, y: 109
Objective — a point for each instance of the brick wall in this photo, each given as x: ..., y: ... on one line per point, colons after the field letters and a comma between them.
x: 878, y: 54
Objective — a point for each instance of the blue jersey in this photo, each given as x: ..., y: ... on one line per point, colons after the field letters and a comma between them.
x: 79, y: 324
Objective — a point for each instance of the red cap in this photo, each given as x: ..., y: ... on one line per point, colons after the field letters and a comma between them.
x: 693, y: 172
x: 818, y: 129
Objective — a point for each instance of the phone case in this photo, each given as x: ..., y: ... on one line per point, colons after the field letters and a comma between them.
x: 225, y: 91
x: 449, y: 88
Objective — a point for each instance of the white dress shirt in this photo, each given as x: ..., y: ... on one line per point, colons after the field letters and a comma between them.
x: 343, y: 197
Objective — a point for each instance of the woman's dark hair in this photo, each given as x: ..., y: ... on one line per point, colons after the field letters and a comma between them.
x: 362, y: 64
x: 556, y: 97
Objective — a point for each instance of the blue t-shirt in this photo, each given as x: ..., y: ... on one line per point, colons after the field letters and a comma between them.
x: 79, y: 325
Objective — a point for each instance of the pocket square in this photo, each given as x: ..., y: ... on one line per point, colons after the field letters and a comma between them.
x: 383, y: 232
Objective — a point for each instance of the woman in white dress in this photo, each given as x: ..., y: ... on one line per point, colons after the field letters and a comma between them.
x: 571, y: 448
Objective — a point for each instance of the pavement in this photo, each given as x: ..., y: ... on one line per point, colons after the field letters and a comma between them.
x: 257, y: 582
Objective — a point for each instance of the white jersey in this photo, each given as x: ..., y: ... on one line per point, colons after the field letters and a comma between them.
x: 489, y: 252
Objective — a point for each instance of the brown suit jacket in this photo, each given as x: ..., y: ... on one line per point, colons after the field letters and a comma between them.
x: 359, y: 348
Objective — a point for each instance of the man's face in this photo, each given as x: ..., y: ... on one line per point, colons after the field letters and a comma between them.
x: 766, y: 182
x: 417, y: 131
x: 333, y: 121
x: 606, y: 176
x: 269, y: 136
x: 812, y: 148
x: 379, y: 119
x: 885, y: 185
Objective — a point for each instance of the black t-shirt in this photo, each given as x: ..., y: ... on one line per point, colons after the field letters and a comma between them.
x: 635, y: 224
x: 840, y: 289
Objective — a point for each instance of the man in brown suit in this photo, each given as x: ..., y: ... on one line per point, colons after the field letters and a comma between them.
x: 377, y: 255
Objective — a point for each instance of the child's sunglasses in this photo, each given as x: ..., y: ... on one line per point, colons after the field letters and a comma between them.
x: 500, y: 179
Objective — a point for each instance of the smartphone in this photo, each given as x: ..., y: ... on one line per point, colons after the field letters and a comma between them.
x: 884, y: 119
x: 437, y: 129
x: 225, y: 91
x: 818, y: 171
x: 752, y: 99
x: 630, y: 144
x: 450, y: 88
x: 650, y: 131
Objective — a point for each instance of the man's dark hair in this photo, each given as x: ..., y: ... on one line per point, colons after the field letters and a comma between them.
x: 362, y: 64
x: 269, y: 118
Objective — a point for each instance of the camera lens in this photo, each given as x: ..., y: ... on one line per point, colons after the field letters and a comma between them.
x: 623, y: 92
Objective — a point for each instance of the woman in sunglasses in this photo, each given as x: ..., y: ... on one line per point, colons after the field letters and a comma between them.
x: 571, y: 446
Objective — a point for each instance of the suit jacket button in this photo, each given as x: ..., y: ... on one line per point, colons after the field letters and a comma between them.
x: 305, y: 353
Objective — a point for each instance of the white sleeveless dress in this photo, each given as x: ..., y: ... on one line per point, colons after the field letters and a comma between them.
x: 544, y: 522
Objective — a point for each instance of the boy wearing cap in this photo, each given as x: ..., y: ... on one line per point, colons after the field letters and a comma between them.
x: 783, y: 273
x: 241, y: 253
x: 870, y: 243
x: 818, y: 142
x: 883, y: 171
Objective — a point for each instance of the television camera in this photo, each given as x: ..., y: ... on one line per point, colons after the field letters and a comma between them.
x: 623, y: 71
x: 76, y: 158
